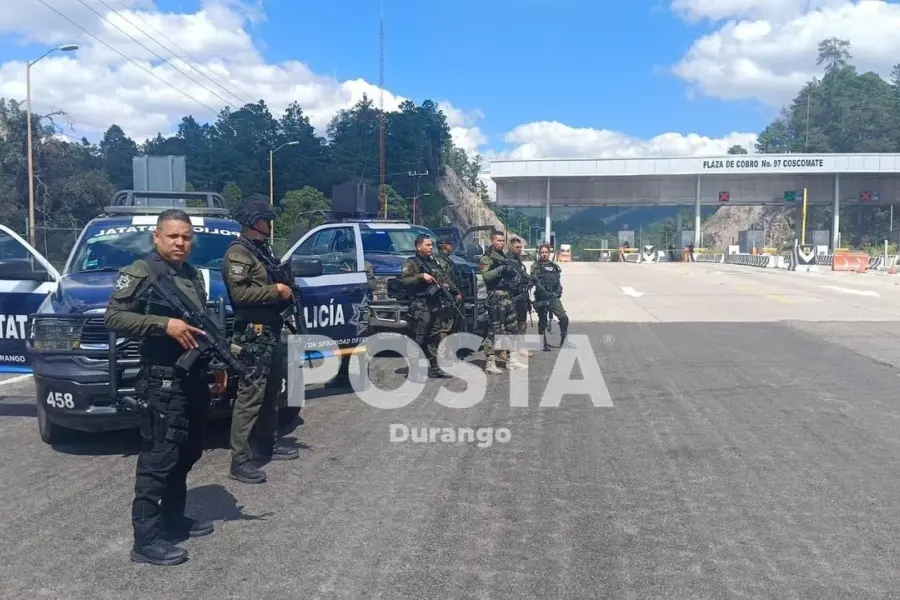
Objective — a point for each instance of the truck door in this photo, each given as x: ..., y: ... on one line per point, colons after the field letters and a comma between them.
x: 335, y: 303
x: 26, y: 279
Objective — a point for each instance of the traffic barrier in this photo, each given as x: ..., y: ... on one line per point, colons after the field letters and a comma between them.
x: 648, y: 254
x: 763, y: 261
x: 803, y: 258
x: 851, y: 261
x: 709, y: 258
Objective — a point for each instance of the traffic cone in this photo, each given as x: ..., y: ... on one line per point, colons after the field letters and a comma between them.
x: 893, y: 269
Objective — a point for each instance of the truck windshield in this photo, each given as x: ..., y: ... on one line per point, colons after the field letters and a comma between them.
x: 106, y: 248
x: 392, y: 241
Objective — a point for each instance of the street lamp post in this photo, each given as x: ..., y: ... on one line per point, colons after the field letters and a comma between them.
x: 272, y: 182
x: 416, y: 206
x: 65, y: 48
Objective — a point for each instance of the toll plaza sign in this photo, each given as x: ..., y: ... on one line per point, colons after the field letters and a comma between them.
x: 806, y: 163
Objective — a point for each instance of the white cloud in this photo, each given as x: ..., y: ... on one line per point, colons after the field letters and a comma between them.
x: 771, y: 52
x: 548, y: 139
x: 97, y: 86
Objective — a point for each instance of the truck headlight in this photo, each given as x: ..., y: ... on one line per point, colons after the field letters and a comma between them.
x: 480, y: 288
x: 52, y: 333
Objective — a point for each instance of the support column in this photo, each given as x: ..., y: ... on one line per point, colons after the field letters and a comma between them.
x: 547, y: 215
x: 697, y: 216
x: 679, y: 239
x: 836, y: 219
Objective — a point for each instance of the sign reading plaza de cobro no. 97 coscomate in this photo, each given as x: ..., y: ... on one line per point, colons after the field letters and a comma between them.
x: 807, y: 162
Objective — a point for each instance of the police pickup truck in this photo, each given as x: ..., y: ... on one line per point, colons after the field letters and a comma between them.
x: 77, y: 377
x: 386, y: 245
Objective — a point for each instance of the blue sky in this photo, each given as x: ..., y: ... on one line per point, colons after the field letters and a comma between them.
x: 585, y: 63
x: 592, y: 67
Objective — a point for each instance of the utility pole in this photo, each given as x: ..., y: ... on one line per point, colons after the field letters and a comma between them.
x: 415, y: 206
x: 382, y: 191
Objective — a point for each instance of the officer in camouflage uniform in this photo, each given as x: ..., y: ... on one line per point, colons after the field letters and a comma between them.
x: 523, y: 304
x: 547, y: 292
x: 173, y: 427
x: 427, y: 313
x: 452, y: 323
x: 257, y: 301
x: 498, y: 275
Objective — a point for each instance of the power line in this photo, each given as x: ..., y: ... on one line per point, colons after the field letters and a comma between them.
x: 132, y: 61
x: 191, y: 56
x: 227, y: 103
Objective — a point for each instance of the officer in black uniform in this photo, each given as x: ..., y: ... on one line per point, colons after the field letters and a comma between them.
x: 172, y: 429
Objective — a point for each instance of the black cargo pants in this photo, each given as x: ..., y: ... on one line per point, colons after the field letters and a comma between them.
x: 171, y: 442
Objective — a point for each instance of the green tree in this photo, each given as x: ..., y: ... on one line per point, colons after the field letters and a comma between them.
x: 737, y: 149
x: 295, y: 217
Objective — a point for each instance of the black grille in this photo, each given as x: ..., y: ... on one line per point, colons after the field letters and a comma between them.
x: 94, y: 332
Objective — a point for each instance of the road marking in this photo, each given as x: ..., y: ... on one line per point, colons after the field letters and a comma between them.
x: 16, y: 379
x: 629, y: 291
x: 843, y: 290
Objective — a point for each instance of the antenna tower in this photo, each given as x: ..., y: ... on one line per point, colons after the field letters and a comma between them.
x: 381, y: 190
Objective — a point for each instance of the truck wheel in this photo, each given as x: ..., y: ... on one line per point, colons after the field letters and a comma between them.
x: 50, y: 432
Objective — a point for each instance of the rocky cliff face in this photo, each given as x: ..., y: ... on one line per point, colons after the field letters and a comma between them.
x: 723, y: 227
x: 468, y: 209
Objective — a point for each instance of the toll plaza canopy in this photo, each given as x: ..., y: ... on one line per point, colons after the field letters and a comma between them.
x: 733, y: 179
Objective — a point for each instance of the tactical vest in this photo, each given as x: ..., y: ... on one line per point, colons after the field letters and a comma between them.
x: 162, y: 349
x: 420, y: 291
x: 548, y: 275
x: 502, y: 283
x: 266, y: 314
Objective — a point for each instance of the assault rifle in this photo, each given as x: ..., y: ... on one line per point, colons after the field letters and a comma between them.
x: 292, y: 315
x: 442, y: 287
x: 545, y: 305
x: 213, y: 345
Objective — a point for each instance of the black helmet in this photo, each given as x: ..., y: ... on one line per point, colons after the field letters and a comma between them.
x: 253, y: 210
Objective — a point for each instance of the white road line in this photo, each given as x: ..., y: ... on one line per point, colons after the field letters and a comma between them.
x: 843, y: 290
x: 16, y: 379
x: 629, y: 291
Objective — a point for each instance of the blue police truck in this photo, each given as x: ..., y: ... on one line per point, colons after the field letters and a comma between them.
x: 78, y: 375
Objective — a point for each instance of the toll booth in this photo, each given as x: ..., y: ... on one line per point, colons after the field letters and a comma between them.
x: 751, y: 241
x: 626, y: 236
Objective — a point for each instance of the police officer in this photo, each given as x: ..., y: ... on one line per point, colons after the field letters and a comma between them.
x: 498, y: 276
x: 453, y: 321
x: 257, y: 300
x: 547, y: 292
x: 173, y: 426
x: 427, y: 311
x: 523, y: 302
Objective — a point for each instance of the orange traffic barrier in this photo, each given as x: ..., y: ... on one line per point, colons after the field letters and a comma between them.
x: 851, y: 261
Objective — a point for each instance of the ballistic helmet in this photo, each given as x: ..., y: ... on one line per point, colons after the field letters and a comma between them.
x: 253, y: 210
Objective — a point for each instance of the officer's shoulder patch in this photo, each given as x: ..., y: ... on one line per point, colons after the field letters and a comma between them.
x: 129, y: 278
x: 409, y: 267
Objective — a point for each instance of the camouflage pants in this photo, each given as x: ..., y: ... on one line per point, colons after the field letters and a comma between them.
x: 502, y: 319
x: 255, y: 407
x: 522, y: 316
x: 554, y: 307
x: 426, y: 324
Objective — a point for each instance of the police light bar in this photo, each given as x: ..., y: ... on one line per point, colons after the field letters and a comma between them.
x: 155, y: 210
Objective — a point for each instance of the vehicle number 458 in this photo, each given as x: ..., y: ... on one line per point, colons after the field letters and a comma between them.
x: 60, y: 400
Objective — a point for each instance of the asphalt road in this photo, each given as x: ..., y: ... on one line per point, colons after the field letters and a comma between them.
x: 750, y: 452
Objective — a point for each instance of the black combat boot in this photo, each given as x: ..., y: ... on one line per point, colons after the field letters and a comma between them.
x: 184, y: 527
x: 546, y: 343
x: 275, y: 451
x: 245, y: 472
x: 159, y: 552
x: 435, y: 372
x: 563, y: 343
